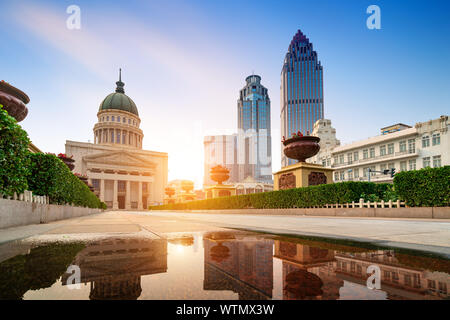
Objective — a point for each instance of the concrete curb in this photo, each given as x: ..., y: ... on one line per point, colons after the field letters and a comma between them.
x: 410, y: 212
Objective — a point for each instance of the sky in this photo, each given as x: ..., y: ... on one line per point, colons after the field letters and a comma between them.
x: 184, y: 62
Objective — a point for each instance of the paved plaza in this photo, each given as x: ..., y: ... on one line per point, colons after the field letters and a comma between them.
x: 420, y: 234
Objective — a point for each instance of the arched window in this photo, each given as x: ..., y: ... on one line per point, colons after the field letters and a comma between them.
x: 118, y: 118
x: 113, y: 118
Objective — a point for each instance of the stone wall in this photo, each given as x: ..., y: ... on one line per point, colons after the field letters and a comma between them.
x: 15, y: 213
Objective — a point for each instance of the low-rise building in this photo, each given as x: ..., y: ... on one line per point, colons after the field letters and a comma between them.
x: 401, y: 147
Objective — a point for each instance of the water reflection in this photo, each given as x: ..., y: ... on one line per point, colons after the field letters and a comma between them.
x: 114, y: 267
x: 218, y: 265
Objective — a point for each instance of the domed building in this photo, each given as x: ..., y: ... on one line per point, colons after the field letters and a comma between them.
x: 123, y: 175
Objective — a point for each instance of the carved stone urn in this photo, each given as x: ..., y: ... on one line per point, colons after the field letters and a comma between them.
x: 14, y: 101
x: 219, y: 174
x: 301, y: 148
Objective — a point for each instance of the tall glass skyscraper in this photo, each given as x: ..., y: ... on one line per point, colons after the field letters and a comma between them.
x: 254, y: 136
x: 301, y: 90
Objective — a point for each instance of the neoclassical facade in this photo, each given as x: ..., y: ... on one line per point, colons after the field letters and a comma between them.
x: 124, y: 176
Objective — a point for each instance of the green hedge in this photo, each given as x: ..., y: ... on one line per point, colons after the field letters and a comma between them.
x: 51, y: 177
x: 424, y: 188
x: 343, y: 192
x: 13, y: 155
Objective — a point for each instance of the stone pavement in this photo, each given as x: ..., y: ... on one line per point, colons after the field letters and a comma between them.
x: 428, y: 235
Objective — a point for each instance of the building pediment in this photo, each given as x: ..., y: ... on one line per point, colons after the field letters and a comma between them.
x: 120, y: 158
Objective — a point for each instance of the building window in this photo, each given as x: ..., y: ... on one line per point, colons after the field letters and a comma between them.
x: 365, y: 170
x: 382, y: 150
x: 391, y: 165
x: 124, y: 120
x: 349, y: 158
x: 402, y: 165
x: 121, y: 186
x: 118, y: 137
x: 336, y: 176
x: 412, y: 164
x: 402, y: 146
x: 383, y: 167
x: 431, y: 285
x: 107, y: 118
x: 390, y: 148
x: 408, y: 280
x: 355, y: 155
x: 123, y: 138
x: 328, y: 162
x: 96, y: 183
x: 112, y: 136
x: 112, y: 118
x: 436, y: 161
x: 129, y: 121
x: 342, y: 173
x: 372, y: 152
x: 436, y: 139
x: 411, y: 146
x: 324, y: 162
x: 350, y: 175
x: 426, y: 162
x: 118, y: 118
x: 425, y: 141
x: 365, y: 154
x: 356, y: 172
x: 341, y: 159
x: 443, y: 287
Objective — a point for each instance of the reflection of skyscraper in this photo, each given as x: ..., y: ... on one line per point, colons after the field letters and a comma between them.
x: 254, y: 146
x: 301, y: 89
x: 114, y: 266
x: 242, y: 265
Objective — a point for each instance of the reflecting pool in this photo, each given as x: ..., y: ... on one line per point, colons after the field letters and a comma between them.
x: 217, y: 265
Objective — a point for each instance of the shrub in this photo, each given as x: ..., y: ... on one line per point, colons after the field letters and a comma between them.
x: 343, y: 192
x: 50, y: 176
x: 13, y: 155
x: 425, y: 187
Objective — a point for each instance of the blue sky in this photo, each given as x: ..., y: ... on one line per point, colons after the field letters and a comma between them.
x: 184, y: 63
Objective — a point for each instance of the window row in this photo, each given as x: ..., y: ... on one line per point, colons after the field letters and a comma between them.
x: 435, y: 140
x: 130, y: 121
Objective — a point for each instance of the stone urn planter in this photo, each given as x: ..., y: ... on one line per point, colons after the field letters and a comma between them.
x: 169, y: 191
x: 69, y: 162
x: 187, y: 186
x: 14, y: 101
x: 219, y: 174
x: 301, y: 147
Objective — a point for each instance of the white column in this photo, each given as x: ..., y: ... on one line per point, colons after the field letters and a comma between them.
x: 128, y: 196
x: 102, y: 190
x: 140, y: 196
x: 115, y: 202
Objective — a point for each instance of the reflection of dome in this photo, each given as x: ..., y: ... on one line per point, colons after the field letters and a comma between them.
x: 301, y: 284
x: 119, y: 100
x: 220, y: 253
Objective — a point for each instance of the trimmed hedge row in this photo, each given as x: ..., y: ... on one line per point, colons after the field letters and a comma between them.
x: 343, y: 192
x: 425, y: 187
x: 13, y: 155
x: 50, y: 176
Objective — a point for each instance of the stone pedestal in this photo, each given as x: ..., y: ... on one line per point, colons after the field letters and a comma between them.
x: 220, y: 190
x: 302, y: 174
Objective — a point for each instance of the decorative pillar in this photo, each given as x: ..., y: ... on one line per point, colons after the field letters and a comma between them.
x: 140, y: 196
x: 102, y: 190
x: 115, y: 202
x: 128, y: 196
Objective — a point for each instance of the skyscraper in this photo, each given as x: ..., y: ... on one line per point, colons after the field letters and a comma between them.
x: 301, y: 90
x: 254, y: 136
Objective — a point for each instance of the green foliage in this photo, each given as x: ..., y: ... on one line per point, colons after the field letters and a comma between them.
x: 39, y: 269
x: 13, y: 155
x: 343, y: 192
x: 425, y: 187
x: 51, y: 177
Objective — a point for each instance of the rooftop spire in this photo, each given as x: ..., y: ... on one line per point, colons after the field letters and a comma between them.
x: 119, y: 83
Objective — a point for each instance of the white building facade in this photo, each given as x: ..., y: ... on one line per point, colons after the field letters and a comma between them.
x: 401, y: 147
x: 123, y: 175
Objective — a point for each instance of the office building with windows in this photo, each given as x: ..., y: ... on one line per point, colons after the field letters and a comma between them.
x: 301, y: 90
x: 254, y: 134
x: 427, y: 144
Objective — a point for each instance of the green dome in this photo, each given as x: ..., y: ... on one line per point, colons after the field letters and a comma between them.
x: 119, y: 100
